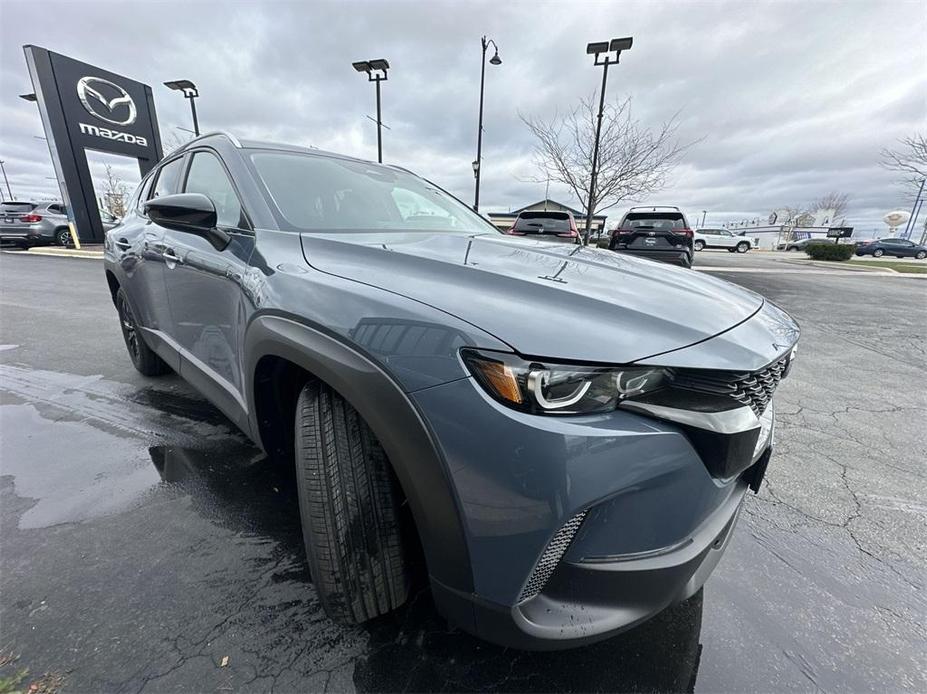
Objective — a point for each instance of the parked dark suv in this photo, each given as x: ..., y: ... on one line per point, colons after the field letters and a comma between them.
x: 568, y: 434
x: 658, y: 233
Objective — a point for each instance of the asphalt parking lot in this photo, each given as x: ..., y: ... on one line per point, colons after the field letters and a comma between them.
x: 146, y: 545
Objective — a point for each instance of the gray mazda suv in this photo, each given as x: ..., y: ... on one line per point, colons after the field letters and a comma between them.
x: 565, y: 434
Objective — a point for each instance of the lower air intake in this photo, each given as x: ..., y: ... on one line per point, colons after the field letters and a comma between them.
x: 555, y: 550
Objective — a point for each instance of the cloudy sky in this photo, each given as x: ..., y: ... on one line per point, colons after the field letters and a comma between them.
x: 792, y: 99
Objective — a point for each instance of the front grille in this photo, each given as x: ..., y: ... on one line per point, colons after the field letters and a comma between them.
x: 555, y: 550
x: 754, y: 389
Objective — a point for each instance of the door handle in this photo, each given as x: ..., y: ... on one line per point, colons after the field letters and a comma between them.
x: 169, y: 255
x: 123, y: 244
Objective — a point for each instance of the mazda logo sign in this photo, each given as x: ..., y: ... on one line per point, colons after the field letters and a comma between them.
x: 119, y: 110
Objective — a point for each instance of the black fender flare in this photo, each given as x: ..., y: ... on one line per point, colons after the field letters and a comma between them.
x: 394, y: 419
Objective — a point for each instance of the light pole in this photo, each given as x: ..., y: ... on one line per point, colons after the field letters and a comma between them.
x: 495, y: 60
x: 912, y: 220
x: 704, y: 212
x: 602, y: 47
x: 376, y: 72
x: 6, y: 180
x: 189, y: 92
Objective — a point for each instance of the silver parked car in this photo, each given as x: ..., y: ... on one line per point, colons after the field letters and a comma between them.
x: 40, y: 223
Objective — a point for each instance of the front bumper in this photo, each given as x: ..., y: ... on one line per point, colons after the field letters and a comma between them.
x: 655, y: 521
x: 586, y: 602
x: 672, y: 256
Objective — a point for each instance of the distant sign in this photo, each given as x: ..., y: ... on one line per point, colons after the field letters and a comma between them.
x: 839, y: 232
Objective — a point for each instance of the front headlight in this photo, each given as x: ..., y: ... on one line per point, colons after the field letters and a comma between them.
x: 550, y: 388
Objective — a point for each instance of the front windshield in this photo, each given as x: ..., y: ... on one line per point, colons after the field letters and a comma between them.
x: 323, y: 193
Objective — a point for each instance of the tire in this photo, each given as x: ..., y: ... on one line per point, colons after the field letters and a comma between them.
x: 349, y: 504
x: 143, y: 358
x: 742, y: 247
x: 792, y: 248
x: 878, y: 253
x: 699, y: 245
x: 920, y: 255
x: 62, y: 237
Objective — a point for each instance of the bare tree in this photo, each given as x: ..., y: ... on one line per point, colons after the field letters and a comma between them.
x: 910, y: 159
x: 633, y: 159
x: 838, y: 202
x: 114, y: 193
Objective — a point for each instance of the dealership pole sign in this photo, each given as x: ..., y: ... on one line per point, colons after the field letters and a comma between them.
x: 85, y: 107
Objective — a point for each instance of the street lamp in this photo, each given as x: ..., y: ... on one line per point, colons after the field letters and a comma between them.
x: 704, y: 212
x: 606, y: 48
x: 6, y: 180
x: 189, y: 92
x: 29, y: 97
x: 376, y: 72
x: 495, y: 60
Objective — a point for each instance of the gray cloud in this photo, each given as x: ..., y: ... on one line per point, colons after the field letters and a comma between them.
x: 791, y: 99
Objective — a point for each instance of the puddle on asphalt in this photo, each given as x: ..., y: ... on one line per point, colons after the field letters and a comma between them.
x: 72, y: 470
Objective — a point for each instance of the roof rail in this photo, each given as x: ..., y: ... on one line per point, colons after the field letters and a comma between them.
x: 229, y: 135
x: 655, y: 207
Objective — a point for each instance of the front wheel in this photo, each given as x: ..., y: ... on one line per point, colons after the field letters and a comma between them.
x: 878, y: 253
x: 920, y: 255
x: 743, y: 247
x: 63, y: 237
x: 699, y: 245
x: 349, y: 505
x: 143, y: 357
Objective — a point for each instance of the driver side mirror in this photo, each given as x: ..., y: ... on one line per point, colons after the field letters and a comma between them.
x: 190, y: 212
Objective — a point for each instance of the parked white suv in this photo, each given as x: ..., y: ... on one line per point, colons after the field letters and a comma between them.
x: 721, y: 238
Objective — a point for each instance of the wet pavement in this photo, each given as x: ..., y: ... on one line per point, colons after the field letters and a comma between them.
x: 143, y: 540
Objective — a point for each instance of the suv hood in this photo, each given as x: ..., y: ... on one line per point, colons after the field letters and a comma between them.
x: 544, y: 300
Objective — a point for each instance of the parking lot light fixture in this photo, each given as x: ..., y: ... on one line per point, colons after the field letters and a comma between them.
x: 29, y: 97
x: 189, y: 92
x: 606, y: 53
x: 376, y: 71
x: 495, y: 60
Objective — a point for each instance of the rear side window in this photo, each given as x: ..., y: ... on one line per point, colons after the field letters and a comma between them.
x: 529, y: 222
x: 141, y: 193
x: 168, y: 178
x: 16, y: 207
x: 654, y: 220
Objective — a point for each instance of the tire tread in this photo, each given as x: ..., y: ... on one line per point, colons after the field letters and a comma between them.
x: 349, y: 507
